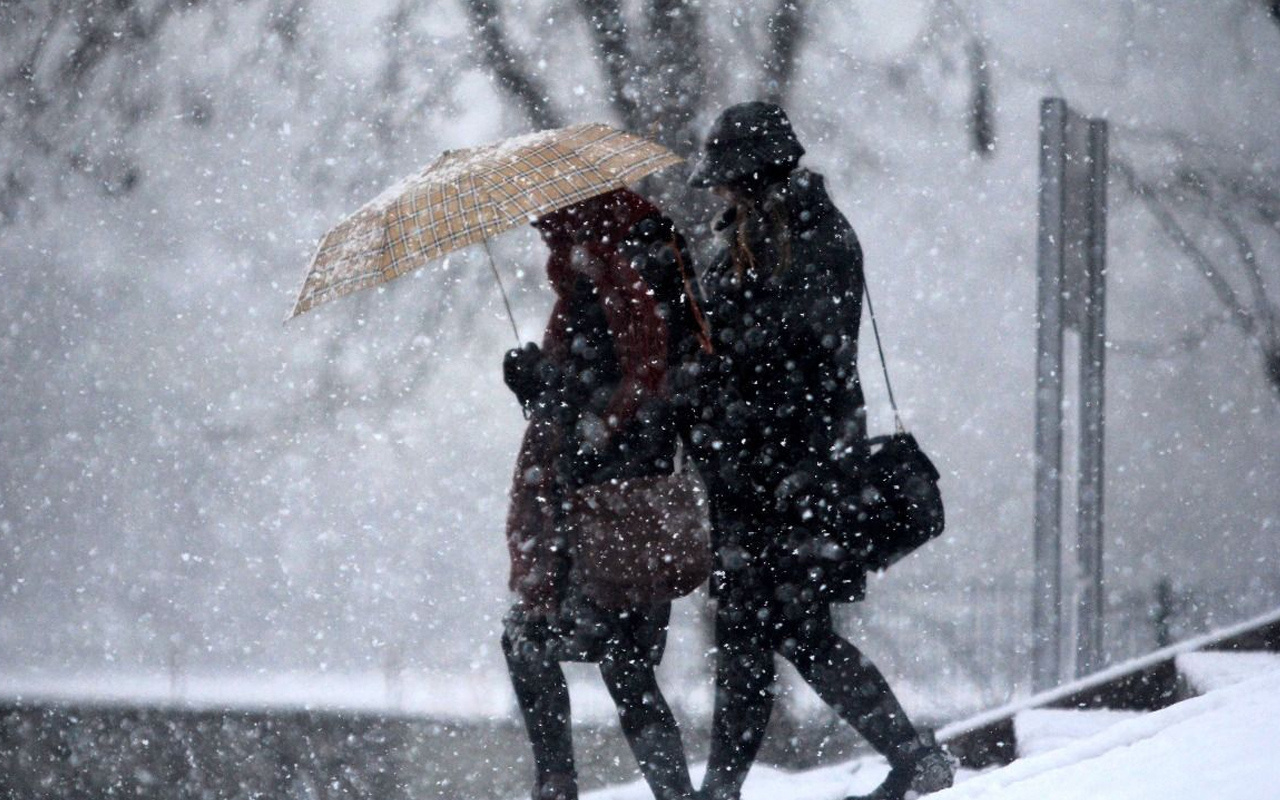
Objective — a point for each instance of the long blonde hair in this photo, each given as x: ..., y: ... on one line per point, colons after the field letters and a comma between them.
x: 740, y: 253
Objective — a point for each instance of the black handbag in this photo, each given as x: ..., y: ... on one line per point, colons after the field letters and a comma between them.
x: 902, y: 502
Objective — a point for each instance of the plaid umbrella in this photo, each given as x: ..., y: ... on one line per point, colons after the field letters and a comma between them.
x: 469, y: 195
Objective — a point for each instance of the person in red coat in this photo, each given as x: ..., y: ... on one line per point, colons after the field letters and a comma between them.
x: 596, y: 396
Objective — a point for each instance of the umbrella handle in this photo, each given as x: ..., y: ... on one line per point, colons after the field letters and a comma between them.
x: 506, y: 303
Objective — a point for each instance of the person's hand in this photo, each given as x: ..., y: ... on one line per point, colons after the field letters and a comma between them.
x: 529, y: 628
x: 540, y: 612
x: 521, y: 372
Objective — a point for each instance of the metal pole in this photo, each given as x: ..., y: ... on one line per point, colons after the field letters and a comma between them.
x: 1093, y: 342
x: 1046, y: 607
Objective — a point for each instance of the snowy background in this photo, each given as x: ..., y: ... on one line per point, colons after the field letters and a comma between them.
x: 193, y: 494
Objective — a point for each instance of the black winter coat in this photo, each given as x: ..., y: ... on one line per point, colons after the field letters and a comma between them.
x: 781, y: 431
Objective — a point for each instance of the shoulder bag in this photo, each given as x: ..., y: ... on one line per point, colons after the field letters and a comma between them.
x: 640, y: 541
x: 903, y: 508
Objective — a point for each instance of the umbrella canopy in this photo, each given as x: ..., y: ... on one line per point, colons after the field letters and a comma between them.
x: 469, y: 195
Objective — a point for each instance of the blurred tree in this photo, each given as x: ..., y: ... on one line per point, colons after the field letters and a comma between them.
x: 1231, y: 215
x: 653, y: 66
x: 982, y: 127
x: 70, y: 93
x: 77, y: 80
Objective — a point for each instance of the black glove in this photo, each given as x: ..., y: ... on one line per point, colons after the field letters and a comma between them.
x: 523, y: 371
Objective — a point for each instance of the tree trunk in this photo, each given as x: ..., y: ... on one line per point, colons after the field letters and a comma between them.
x: 507, y: 67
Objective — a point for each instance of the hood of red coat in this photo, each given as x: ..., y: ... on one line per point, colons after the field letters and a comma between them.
x: 597, y: 224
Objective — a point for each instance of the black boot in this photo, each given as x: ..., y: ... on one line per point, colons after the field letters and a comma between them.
x: 556, y: 786
x: 922, y: 769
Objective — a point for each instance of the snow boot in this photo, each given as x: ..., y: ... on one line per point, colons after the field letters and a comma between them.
x: 556, y: 786
x: 921, y: 771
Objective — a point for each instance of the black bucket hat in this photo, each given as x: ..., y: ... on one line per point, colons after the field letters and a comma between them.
x: 747, y: 139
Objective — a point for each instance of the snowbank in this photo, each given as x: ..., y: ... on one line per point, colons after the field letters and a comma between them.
x: 1221, y: 745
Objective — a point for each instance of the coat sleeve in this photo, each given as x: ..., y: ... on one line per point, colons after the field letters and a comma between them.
x: 820, y: 398
x: 822, y: 307
x: 538, y: 551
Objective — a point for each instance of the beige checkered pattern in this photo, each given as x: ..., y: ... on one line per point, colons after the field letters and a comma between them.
x: 471, y: 194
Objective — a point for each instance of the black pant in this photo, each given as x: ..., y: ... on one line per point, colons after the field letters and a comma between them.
x: 750, y: 628
x: 630, y: 647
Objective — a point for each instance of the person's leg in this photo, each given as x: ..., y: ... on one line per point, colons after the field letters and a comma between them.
x: 743, y: 698
x: 847, y: 681
x: 647, y: 722
x: 855, y: 689
x: 543, y: 696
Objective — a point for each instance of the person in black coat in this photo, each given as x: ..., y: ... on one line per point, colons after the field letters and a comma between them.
x: 780, y: 439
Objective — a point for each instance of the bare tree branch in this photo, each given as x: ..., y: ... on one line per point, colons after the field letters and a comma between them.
x: 679, y: 78
x: 61, y: 50
x: 982, y: 126
x: 286, y: 21
x: 1207, y: 184
x: 1264, y: 309
x: 506, y: 66
x: 1267, y: 316
x: 1226, y: 295
x: 21, y: 78
x: 1188, y: 340
x: 1258, y: 192
x: 786, y: 31
x: 1259, y: 323
x: 608, y: 30
x: 102, y: 27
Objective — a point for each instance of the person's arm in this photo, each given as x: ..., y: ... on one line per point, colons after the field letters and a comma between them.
x: 822, y: 295
x: 539, y: 568
x: 537, y: 549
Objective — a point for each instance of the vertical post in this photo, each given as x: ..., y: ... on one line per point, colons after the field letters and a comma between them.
x: 1093, y: 341
x: 1046, y: 609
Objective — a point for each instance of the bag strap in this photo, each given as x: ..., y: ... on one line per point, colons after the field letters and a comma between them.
x: 884, y: 365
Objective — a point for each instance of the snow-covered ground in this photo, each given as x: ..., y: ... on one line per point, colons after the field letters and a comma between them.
x: 433, y: 695
x: 1221, y: 745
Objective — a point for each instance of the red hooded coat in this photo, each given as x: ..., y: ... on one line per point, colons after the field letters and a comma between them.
x: 539, y: 559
